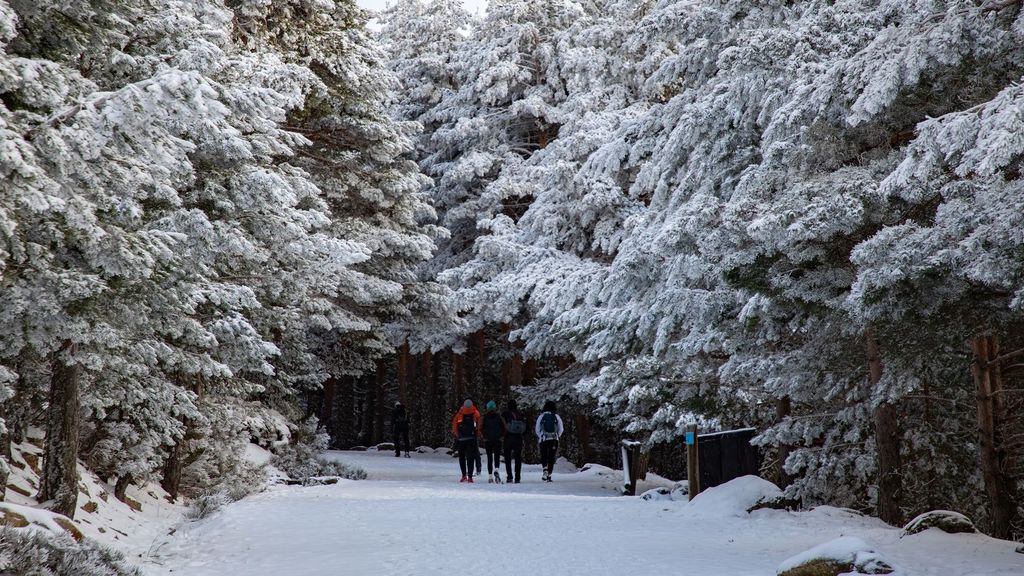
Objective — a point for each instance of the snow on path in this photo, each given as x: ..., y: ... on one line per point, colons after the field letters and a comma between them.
x: 412, y: 517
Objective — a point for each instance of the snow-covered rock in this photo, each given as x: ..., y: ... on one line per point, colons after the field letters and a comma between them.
x: 18, y: 516
x: 734, y: 498
x: 385, y: 447
x: 424, y: 450
x: 842, y: 555
x: 945, y: 520
x: 657, y: 494
x: 680, y: 491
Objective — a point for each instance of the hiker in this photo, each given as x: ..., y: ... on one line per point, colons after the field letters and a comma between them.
x: 515, y: 427
x: 493, y: 431
x: 400, y: 428
x: 466, y: 428
x: 549, y: 429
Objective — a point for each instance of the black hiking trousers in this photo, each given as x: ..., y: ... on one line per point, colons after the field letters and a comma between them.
x: 548, y: 449
x: 400, y: 433
x: 493, y: 448
x: 469, y: 453
x: 514, y: 451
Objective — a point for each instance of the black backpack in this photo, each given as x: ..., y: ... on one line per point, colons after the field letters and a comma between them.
x: 467, y: 427
x: 549, y: 425
x: 492, y: 426
x: 516, y: 423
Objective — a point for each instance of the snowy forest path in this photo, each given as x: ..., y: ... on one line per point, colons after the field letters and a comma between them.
x: 413, y: 517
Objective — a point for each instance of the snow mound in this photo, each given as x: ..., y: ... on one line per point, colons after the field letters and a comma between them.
x: 597, y: 470
x: 563, y: 466
x: 734, y: 498
x: 843, y: 555
x: 424, y: 450
x: 945, y: 520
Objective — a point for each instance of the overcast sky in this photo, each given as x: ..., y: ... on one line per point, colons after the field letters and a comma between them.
x: 471, y: 5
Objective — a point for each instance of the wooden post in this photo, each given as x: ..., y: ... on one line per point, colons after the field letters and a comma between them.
x: 692, y: 464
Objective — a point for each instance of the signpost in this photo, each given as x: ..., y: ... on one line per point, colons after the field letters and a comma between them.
x: 692, y: 465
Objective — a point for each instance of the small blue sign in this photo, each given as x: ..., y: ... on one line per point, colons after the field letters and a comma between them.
x: 689, y: 439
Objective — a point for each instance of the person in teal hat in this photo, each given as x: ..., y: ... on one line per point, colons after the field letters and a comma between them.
x: 493, y: 427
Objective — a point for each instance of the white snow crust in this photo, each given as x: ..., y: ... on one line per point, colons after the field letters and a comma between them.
x: 413, y: 517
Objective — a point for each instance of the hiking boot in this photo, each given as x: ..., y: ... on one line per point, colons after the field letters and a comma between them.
x: 397, y: 454
x: 497, y: 478
x: 490, y: 480
x: 470, y: 480
x: 517, y: 480
x: 464, y: 479
x: 407, y: 455
x: 508, y: 479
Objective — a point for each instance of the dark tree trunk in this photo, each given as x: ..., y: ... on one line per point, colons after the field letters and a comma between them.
x: 171, y: 478
x: 327, y: 406
x: 121, y: 488
x: 994, y: 465
x: 381, y: 399
x: 583, y: 428
x: 783, y: 409
x: 59, y: 481
x: 170, y: 481
x: 404, y: 361
x: 887, y: 441
x: 459, y: 377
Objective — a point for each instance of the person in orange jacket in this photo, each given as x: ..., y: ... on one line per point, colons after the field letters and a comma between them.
x: 466, y: 429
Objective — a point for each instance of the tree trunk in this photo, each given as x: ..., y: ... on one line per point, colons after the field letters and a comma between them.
x: 404, y: 359
x: 515, y: 375
x: 459, y: 377
x: 170, y: 480
x: 330, y: 387
x: 121, y: 488
x: 783, y: 409
x: 998, y: 486
x: 381, y: 399
x: 438, y: 408
x: 583, y: 429
x: 887, y: 441
x: 59, y: 481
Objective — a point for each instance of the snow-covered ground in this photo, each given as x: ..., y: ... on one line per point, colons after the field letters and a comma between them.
x: 413, y: 517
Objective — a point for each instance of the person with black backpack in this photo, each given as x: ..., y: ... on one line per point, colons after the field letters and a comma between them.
x: 494, y: 431
x: 549, y: 429
x: 400, y: 429
x: 466, y: 429
x: 515, y: 428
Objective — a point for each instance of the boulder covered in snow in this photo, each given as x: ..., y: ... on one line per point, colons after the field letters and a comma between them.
x: 734, y: 498
x: 385, y: 447
x: 844, y: 555
x: 945, y: 520
x: 424, y: 450
x: 660, y: 493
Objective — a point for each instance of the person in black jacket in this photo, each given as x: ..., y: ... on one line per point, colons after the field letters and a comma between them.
x: 515, y: 428
x: 494, y: 430
x: 400, y: 429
